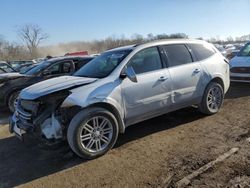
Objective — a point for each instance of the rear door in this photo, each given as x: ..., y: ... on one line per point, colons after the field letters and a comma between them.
x: 186, y: 75
x: 151, y: 94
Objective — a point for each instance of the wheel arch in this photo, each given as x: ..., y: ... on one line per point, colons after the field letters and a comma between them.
x: 218, y: 80
x: 9, y: 93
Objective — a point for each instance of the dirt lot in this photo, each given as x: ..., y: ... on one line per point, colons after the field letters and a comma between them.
x: 168, y: 147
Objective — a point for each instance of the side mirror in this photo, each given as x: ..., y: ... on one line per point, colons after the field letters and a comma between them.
x: 130, y: 73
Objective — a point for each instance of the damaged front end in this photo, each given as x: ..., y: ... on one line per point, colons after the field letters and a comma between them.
x: 39, y: 112
x: 43, y: 118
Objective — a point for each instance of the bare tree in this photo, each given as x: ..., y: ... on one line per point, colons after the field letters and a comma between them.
x: 230, y: 39
x: 32, y: 35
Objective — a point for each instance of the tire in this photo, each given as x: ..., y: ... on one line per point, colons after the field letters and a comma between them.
x: 11, y: 100
x: 212, y: 99
x: 82, y: 132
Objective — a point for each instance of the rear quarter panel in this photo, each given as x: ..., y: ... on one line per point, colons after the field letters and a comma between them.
x: 216, y: 67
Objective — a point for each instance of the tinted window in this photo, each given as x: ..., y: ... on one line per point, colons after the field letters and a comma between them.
x: 177, y: 54
x: 55, y: 69
x: 66, y: 67
x: 60, y: 68
x: 146, y: 60
x: 201, y: 51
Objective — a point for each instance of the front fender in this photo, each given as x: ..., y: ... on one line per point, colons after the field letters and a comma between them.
x: 108, y: 94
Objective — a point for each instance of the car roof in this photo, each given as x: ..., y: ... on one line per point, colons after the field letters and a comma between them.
x: 172, y: 41
x: 60, y: 58
x: 160, y: 42
x: 23, y: 61
x: 128, y: 47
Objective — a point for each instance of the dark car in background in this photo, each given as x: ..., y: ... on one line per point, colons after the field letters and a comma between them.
x: 5, y: 67
x: 12, y: 83
x: 25, y: 69
x: 18, y: 65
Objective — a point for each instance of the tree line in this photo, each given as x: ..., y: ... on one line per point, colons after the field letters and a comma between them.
x: 33, y: 36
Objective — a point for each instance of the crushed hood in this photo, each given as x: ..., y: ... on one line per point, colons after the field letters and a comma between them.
x: 239, y: 61
x: 53, y: 85
x: 10, y: 76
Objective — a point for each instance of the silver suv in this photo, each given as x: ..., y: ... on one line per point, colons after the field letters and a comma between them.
x: 119, y: 88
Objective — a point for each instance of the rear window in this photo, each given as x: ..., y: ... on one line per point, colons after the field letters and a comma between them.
x: 177, y: 54
x: 201, y: 51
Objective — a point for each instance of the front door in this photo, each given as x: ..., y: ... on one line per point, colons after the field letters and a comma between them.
x: 151, y: 93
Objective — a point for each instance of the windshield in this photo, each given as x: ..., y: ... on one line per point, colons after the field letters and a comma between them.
x: 245, y: 51
x: 38, y: 68
x: 2, y: 71
x: 16, y: 65
x: 6, y: 68
x: 25, y: 69
x: 103, y: 65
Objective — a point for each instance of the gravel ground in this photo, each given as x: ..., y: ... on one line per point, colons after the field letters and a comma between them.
x: 149, y: 154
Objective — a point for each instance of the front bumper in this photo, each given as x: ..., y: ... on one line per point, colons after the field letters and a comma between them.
x: 14, y: 127
x: 24, y: 130
x: 239, y: 77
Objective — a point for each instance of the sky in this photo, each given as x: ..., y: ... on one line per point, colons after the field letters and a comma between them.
x: 78, y: 20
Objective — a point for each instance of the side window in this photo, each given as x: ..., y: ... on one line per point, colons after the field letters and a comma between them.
x: 66, y: 67
x: 60, y: 68
x: 177, y: 54
x: 201, y: 51
x: 146, y: 60
x: 55, y: 69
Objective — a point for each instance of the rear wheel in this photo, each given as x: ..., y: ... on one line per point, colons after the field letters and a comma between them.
x: 12, y: 100
x: 212, y: 99
x: 92, y: 132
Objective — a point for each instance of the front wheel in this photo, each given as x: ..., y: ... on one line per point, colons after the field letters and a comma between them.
x: 212, y: 99
x: 92, y: 132
x: 12, y: 100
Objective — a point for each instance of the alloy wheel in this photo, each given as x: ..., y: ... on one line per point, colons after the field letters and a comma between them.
x: 214, y: 98
x: 96, y: 134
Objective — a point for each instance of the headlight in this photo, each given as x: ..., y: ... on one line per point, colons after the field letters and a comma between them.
x: 1, y: 84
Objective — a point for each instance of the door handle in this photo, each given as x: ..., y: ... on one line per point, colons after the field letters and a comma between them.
x: 197, y: 70
x: 162, y: 78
